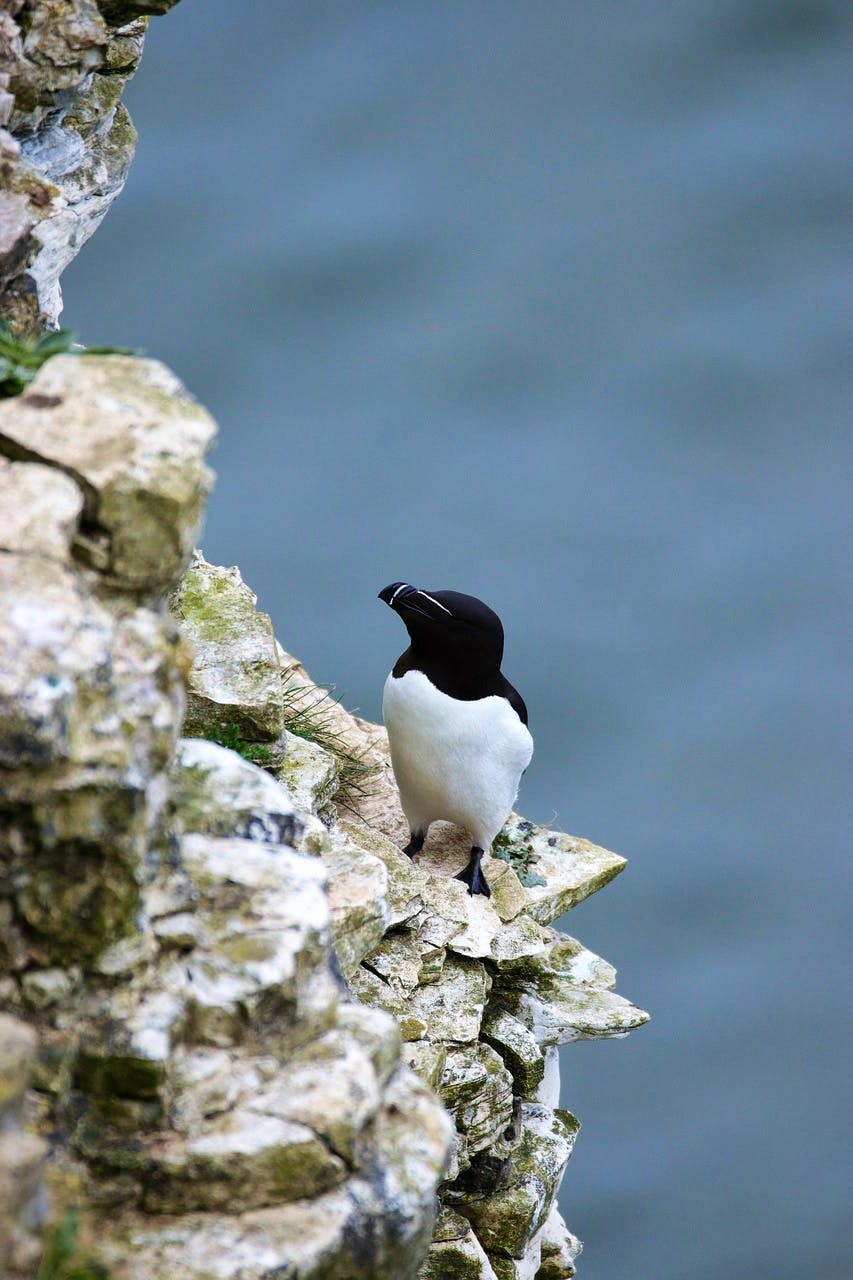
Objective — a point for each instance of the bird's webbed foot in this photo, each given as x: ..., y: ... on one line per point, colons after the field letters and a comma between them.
x: 415, y: 844
x: 472, y: 875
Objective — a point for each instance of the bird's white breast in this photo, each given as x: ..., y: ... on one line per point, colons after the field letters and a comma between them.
x: 454, y: 760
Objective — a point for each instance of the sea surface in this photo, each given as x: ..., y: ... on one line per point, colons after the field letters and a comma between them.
x: 551, y: 303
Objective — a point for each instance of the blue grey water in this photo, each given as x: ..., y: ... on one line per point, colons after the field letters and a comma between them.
x: 551, y: 303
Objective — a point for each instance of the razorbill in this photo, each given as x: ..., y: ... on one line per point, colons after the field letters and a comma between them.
x: 456, y: 727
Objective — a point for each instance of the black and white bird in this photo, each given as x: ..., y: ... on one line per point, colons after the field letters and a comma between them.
x: 456, y: 727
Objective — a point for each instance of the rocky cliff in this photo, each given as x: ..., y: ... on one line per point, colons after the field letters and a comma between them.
x: 242, y: 1035
x: 266, y: 1038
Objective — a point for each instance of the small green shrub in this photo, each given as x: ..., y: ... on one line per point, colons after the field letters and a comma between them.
x: 520, y: 855
x: 21, y: 358
x: 62, y: 1258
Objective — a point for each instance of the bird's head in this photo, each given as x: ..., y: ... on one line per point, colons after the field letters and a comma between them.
x: 447, y: 625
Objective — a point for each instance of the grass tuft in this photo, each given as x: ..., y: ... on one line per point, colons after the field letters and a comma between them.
x: 308, y: 714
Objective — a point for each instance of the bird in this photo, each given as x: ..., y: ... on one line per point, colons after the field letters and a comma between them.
x: 457, y: 729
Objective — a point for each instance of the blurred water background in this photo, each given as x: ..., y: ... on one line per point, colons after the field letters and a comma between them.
x: 548, y: 303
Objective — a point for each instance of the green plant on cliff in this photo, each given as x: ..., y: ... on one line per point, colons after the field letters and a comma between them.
x: 307, y: 714
x: 62, y: 1258
x: 21, y: 358
x: 230, y: 736
x: 520, y: 855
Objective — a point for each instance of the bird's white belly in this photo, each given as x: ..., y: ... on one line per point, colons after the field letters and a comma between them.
x: 453, y: 760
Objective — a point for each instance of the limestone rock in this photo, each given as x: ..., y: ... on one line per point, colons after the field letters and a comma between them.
x: 376, y: 1032
x: 372, y: 990
x: 126, y: 1047
x: 62, y: 71
x: 308, y: 771
x: 405, y: 880
x: 357, y: 887
x: 427, y: 1060
x: 235, y: 681
x: 22, y: 1156
x: 133, y: 439
x: 342, y: 1235
x: 80, y: 686
x: 90, y: 702
x: 476, y: 1088
x: 456, y: 1254
x: 547, y: 1091
x: 518, y: 1048
x: 331, y: 1086
x: 308, y: 1237
x: 22, y: 1160
x: 267, y: 919
x: 506, y: 1221
x: 559, y: 1249
x: 216, y: 792
x: 413, y: 1140
x: 39, y: 510
x: 361, y: 1230
x: 241, y: 1161
x: 405, y: 962
x: 570, y: 869
x: 564, y: 995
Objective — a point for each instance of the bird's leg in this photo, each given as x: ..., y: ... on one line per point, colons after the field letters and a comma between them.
x: 415, y: 844
x: 473, y: 876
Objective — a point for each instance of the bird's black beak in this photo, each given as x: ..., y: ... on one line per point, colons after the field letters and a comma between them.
x: 393, y: 589
x: 402, y: 596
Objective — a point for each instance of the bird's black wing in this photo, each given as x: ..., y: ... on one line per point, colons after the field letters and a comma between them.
x: 514, y: 699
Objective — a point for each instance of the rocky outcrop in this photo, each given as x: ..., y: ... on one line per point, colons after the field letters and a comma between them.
x: 483, y: 991
x: 211, y: 1088
x: 66, y: 140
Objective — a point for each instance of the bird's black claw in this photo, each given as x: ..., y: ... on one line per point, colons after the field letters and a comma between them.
x: 414, y: 846
x: 472, y: 875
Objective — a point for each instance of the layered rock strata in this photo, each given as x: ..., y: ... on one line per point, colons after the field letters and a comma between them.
x: 66, y: 140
